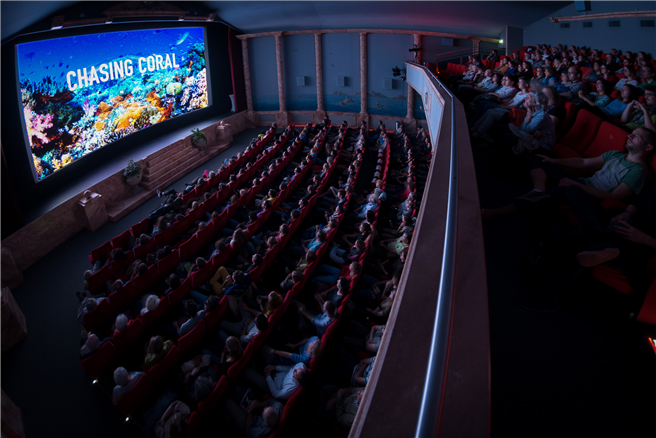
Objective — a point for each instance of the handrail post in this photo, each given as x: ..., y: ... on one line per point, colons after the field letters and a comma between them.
x: 434, y: 383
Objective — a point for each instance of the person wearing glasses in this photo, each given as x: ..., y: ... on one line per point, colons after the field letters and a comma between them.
x: 641, y: 115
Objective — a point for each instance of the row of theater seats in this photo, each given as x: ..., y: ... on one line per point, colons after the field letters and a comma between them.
x: 185, y: 249
x: 116, y: 268
x: 157, y: 372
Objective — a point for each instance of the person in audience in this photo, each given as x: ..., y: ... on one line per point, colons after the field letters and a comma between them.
x: 258, y: 419
x: 607, y: 74
x: 619, y: 176
x: 629, y: 78
x: 638, y: 114
x: 615, y: 108
x: 600, y: 98
x: 156, y: 350
x: 279, y: 381
x: 173, y: 423
x: 309, y: 349
x: 494, y: 115
x: 319, y: 321
x: 124, y: 382
x: 648, y: 76
x: 575, y: 83
x: 595, y: 73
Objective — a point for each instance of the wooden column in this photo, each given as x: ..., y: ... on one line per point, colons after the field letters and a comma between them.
x: 476, y: 47
x: 318, y: 61
x: 281, y: 73
x: 411, y: 103
x: 416, y: 40
x: 363, y: 76
x: 247, y: 75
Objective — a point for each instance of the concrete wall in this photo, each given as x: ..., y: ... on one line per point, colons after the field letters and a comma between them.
x: 341, y: 57
x: 298, y: 60
x: 629, y: 36
x: 264, y: 79
x: 384, y: 52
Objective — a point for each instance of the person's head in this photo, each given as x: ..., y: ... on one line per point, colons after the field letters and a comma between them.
x: 202, y: 388
x: 191, y: 308
x: 605, y: 70
x: 497, y: 78
x: 539, y: 72
x: 629, y: 73
x: 90, y: 304
x: 603, y: 87
x: 274, y: 300
x: 297, y: 276
x: 536, y: 99
x: 320, y: 236
x: 261, y: 322
x: 641, y: 141
x: 121, y: 322
x: 355, y: 268
x: 295, y: 214
x: 627, y: 61
x: 93, y: 343
x: 234, y: 346
x: 152, y: 302
x: 121, y: 376
x: 524, y: 83
x: 256, y: 260
x: 553, y: 98
x: 511, y: 80
x: 157, y: 344
x: 211, y: 303
x: 314, y: 348
x: 270, y: 417
x: 629, y: 93
x: 343, y: 285
x: 648, y: 72
x: 650, y: 95
x: 141, y: 270
x: 365, y: 228
x: 574, y: 73
x: 302, y: 376
x: 527, y: 66
x: 596, y: 66
x: 329, y: 308
x: 200, y: 262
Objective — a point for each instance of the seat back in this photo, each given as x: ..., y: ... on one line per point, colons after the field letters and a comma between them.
x: 609, y: 138
x: 161, y: 369
x: 141, y: 251
x: 205, y: 406
x: 99, y: 317
x: 213, y: 318
x: 151, y: 318
x: 97, y: 281
x: 129, y: 402
x: 583, y: 132
x: 188, y: 249
x: 130, y: 336
x: 100, y: 253
x: 167, y: 265
x: 164, y: 237
x: 187, y: 342
x: 100, y: 361
x: 140, y: 228
x: 178, y: 294
x: 146, y: 281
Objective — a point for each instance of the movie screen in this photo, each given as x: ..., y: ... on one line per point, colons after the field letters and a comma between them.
x: 82, y: 93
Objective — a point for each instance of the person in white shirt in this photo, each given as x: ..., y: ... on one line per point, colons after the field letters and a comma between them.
x: 483, y: 125
x: 279, y: 381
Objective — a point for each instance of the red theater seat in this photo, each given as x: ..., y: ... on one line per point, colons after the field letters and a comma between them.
x: 141, y: 251
x: 129, y: 402
x: 100, y: 361
x: 205, y: 406
x: 151, y: 318
x: 140, y: 228
x: 130, y: 336
x: 99, y: 317
x: 579, y: 136
x: 189, y: 341
x: 122, y: 240
x: 100, y: 253
x: 161, y: 369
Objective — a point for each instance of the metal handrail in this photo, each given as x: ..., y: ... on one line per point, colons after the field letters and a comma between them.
x: 433, y: 392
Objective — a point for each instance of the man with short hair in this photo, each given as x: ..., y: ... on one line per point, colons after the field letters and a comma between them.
x: 620, y: 176
x: 649, y: 76
x: 575, y: 83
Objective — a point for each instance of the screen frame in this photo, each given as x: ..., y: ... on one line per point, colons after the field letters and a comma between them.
x: 26, y: 140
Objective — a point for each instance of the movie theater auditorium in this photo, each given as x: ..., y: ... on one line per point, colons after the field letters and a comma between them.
x: 332, y: 219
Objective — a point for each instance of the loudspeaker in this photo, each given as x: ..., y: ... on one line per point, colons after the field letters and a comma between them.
x: 582, y: 6
x: 341, y: 81
x: 388, y: 84
x: 300, y: 81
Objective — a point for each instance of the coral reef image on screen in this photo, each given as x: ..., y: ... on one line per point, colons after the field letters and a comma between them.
x: 82, y: 93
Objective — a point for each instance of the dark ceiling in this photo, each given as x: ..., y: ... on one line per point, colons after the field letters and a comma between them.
x: 479, y: 18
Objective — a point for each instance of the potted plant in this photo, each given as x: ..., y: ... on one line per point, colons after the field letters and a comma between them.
x: 132, y: 173
x: 198, y: 138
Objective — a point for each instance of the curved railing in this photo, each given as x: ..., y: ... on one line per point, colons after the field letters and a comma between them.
x: 433, y: 392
